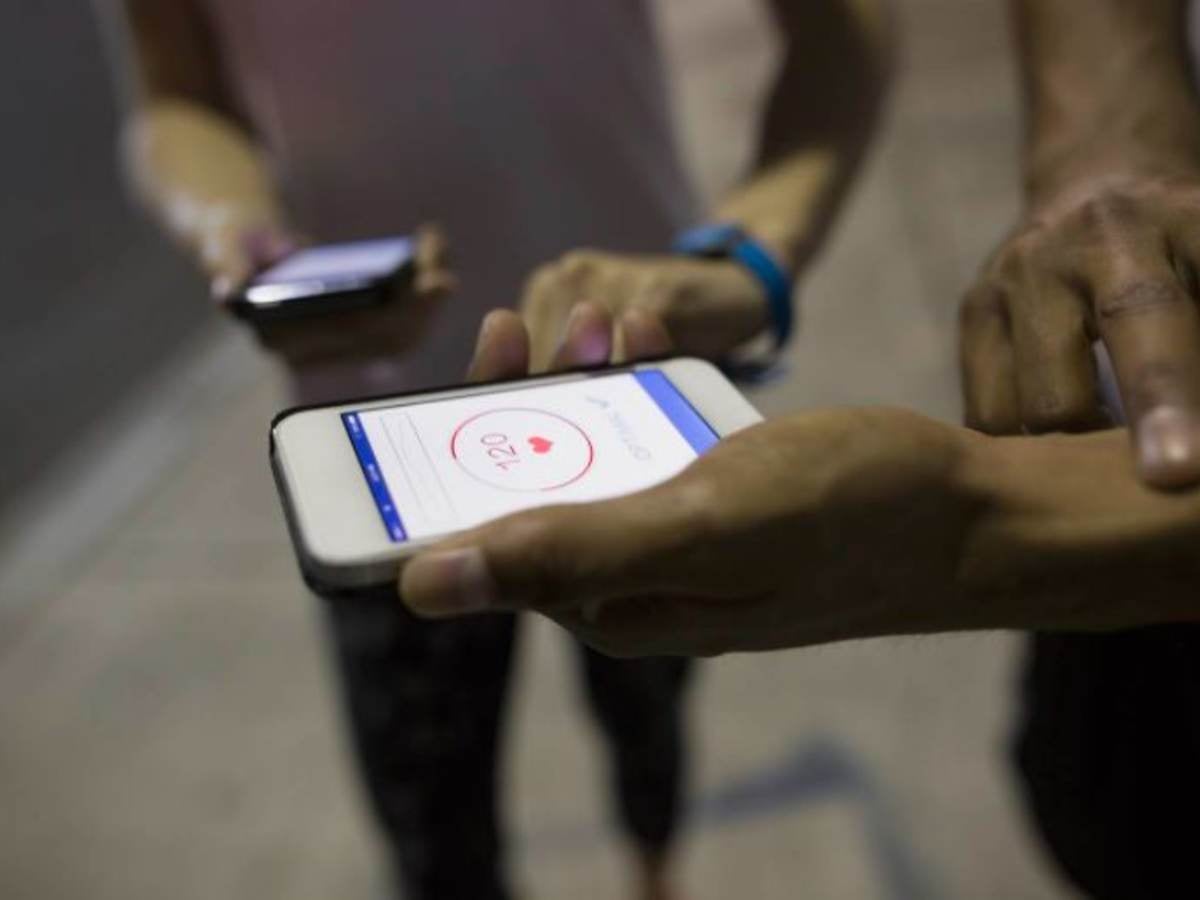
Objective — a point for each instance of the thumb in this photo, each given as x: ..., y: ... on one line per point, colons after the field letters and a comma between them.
x: 233, y: 253
x: 564, y: 557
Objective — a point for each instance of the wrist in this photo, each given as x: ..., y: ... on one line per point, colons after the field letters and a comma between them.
x: 787, y: 206
x: 1067, y: 538
x: 1108, y: 87
x: 766, y: 278
x: 1061, y: 176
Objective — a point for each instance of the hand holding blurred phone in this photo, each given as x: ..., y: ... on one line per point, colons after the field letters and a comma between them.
x: 365, y: 485
x: 329, y: 279
x: 346, y: 303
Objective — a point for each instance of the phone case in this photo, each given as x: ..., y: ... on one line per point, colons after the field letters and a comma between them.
x: 309, y: 570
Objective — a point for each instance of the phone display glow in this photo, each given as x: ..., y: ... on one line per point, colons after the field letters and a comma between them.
x: 440, y: 466
x: 331, y: 267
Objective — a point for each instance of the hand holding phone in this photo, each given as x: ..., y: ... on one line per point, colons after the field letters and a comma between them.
x: 367, y: 485
x: 340, y: 302
x: 316, y: 281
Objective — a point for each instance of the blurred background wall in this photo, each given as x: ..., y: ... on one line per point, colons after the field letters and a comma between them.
x: 92, y: 306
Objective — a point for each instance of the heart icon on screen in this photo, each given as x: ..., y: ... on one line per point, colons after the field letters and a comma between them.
x: 540, y: 444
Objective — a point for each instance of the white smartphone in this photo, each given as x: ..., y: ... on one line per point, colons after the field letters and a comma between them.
x: 366, y: 484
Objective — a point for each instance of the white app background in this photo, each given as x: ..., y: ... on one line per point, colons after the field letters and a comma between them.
x: 456, y: 463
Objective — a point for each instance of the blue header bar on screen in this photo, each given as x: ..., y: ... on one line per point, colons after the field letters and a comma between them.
x: 689, y: 423
x: 370, y: 468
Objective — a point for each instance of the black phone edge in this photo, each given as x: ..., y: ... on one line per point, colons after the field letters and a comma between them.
x: 460, y: 385
x: 309, y: 308
x: 376, y: 293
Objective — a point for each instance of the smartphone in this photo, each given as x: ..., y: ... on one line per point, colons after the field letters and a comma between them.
x: 328, y: 279
x: 365, y: 484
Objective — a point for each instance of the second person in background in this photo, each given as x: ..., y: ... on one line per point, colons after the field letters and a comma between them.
x: 527, y: 129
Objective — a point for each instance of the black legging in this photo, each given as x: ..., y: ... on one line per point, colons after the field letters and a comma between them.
x: 1109, y: 753
x: 425, y: 703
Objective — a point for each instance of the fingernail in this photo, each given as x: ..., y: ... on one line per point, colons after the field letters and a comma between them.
x: 590, y: 347
x: 486, y: 327
x: 1169, y: 445
x: 572, y: 318
x: 449, y: 583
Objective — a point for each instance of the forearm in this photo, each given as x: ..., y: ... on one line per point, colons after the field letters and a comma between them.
x: 1108, y: 89
x: 1065, y: 537
x: 188, y: 158
x: 819, y: 119
x: 196, y: 170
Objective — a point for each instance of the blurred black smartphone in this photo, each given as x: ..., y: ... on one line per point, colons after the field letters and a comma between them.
x: 329, y: 279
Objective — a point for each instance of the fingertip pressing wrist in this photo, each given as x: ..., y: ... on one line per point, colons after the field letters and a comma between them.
x: 1066, y: 536
x: 1168, y: 448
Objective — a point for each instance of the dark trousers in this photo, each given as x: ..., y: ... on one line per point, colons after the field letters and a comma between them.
x: 425, y: 701
x: 1109, y: 756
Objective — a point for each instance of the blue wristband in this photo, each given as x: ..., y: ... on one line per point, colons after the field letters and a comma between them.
x: 725, y: 240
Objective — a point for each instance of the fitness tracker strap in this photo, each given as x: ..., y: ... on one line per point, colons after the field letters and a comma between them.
x: 725, y: 240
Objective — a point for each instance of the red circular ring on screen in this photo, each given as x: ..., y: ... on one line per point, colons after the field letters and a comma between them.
x: 591, y: 450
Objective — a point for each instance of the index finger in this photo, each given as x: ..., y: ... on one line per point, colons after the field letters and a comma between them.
x: 1151, y: 327
x: 587, y: 340
x: 502, y: 349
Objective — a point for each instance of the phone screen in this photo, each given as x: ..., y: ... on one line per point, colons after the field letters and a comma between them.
x: 445, y: 465
x: 330, y: 267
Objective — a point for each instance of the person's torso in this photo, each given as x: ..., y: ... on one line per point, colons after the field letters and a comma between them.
x: 524, y: 127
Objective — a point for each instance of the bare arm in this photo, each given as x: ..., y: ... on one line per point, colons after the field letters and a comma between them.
x: 192, y: 163
x: 841, y: 525
x: 1068, y: 537
x: 1108, y: 86
x: 821, y: 114
x: 822, y: 111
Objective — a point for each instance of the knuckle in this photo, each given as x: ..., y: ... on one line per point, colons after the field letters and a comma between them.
x: 1108, y: 207
x: 983, y: 305
x: 578, y: 264
x: 543, y: 300
x: 542, y: 278
x: 1140, y: 297
x: 1047, y: 411
x: 1011, y: 271
x: 1024, y: 249
x: 1021, y: 255
x: 1052, y: 339
x: 658, y: 295
x: 556, y: 303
